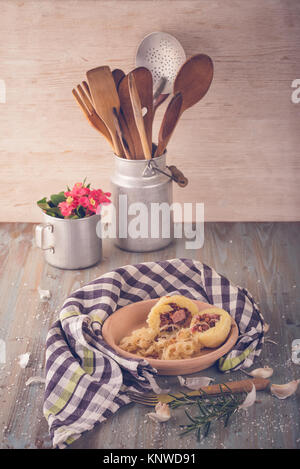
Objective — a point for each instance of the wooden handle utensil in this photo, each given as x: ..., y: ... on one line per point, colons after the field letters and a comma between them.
x: 168, y: 124
x: 138, y: 115
x: 244, y: 385
x: 144, y: 86
x: 194, y: 79
x: 89, y: 112
x: 120, y: 134
x: 118, y: 75
x: 178, y: 176
x: 105, y: 98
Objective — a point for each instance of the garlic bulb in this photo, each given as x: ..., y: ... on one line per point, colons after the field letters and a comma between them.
x: 162, y: 413
x: 282, y: 391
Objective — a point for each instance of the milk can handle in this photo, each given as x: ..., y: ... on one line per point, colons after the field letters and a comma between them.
x: 176, y: 175
x: 39, y: 230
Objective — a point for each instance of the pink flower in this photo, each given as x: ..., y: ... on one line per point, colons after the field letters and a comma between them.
x: 83, y: 201
x: 66, y: 207
x: 92, y: 204
x: 78, y: 190
x: 80, y: 196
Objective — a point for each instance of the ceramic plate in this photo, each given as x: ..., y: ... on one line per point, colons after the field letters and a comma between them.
x: 125, y: 320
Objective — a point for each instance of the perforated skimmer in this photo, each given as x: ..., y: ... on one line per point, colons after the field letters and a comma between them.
x: 163, y: 55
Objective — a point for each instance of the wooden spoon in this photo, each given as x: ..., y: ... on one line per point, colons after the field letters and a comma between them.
x: 105, y: 98
x: 144, y: 85
x: 138, y: 115
x: 194, y: 79
x: 169, y: 122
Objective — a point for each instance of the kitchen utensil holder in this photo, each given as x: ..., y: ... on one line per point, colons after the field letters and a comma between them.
x: 144, y: 182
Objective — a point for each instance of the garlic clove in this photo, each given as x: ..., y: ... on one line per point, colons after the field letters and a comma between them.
x: 282, y: 391
x: 162, y: 413
x: 44, y: 294
x: 24, y: 359
x: 195, y: 383
x: 264, y: 372
x: 250, y: 399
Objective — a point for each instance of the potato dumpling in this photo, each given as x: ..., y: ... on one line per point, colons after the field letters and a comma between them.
x: 211, y: 327
x: 171, y: 313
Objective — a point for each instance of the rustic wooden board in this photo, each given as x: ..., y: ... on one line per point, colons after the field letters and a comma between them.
x: 239, y: 147
x: 263, y: 257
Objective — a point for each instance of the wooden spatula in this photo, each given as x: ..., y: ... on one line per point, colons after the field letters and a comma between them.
x: 120, y: 135
x: 105, y: 98
x: 194, y: 79
x: 90, y: 113
x: 144, y: 85
x: 138, y: 115
x: 117, y: 74
x: 168, y: 124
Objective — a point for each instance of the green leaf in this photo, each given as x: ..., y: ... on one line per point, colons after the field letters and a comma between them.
x: 42, y: 201
x: 51, y: 214
x: 80, y: 211
x: 54, y: 211
x: 57, y: 198
x: 43, y: 204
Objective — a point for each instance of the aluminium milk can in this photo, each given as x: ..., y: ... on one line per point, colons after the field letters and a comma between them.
x: 142, y: 198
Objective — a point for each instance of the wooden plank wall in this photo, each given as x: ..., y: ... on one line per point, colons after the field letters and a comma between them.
x: 239, y: 147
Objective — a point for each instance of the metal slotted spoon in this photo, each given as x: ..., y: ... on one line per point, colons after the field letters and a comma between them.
x: 163, y: 55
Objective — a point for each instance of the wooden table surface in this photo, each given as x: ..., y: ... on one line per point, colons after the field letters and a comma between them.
x: 263, y: 257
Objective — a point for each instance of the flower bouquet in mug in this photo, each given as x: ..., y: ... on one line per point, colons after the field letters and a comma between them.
x: 79, y: 202
x: 70, y: 235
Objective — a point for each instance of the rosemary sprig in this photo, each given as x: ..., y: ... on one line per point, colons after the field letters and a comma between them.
x: 210, y: 410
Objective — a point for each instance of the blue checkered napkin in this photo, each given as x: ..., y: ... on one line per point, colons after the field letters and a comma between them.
x: 86, y: 379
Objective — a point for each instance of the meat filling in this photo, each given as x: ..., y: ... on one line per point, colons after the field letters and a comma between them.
x: 179, y: 316
x: 205, y: 322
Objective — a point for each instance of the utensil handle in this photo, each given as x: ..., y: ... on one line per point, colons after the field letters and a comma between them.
x: 178, y: 176
x: 158, y: 101
x: 244, y: 385
x: 120, y: 135
x: 39, y: 230
x: 138, y: 115
x: 160, y: 87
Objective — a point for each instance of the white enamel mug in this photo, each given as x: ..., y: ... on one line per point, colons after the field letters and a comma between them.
x: 70, y: 243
